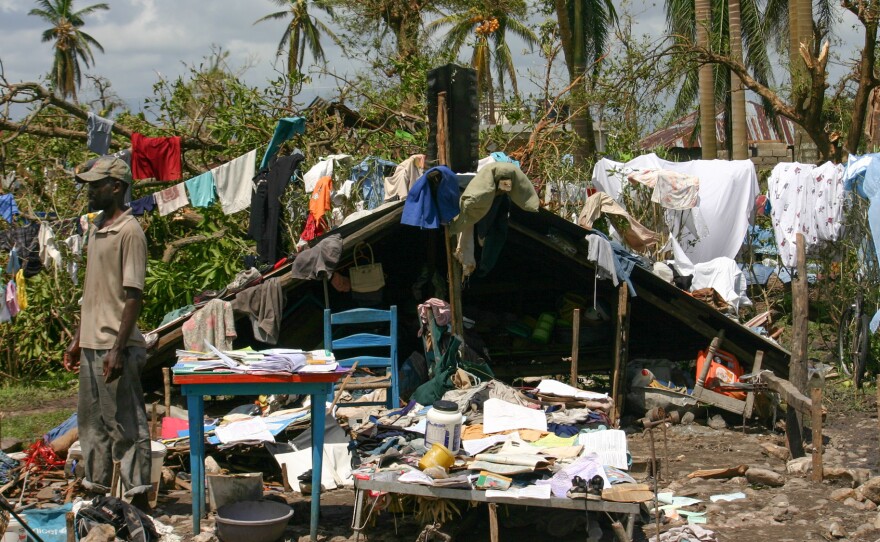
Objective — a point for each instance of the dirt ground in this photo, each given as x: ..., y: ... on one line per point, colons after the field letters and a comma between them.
x: 800, y: 510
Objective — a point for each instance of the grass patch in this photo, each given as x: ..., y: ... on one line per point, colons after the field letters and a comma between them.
x: 840, y: 395
x: 30, y: 427
x: 14, y: 398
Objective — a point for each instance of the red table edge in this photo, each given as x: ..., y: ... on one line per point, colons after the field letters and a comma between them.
x: 238, y: 378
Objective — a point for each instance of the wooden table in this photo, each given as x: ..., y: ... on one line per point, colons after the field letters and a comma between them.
x: 195, y: 386
x: 631, y: 510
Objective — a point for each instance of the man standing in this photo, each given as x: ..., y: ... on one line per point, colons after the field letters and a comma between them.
x: 108, y: 346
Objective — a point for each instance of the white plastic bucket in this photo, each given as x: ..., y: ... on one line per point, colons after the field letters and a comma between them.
x: 14, y: 532
x: 157, y: 460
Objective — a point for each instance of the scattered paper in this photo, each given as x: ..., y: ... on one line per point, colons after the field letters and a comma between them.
x: 499, y: 415
x: 247, y: 430
x: 525, y: 460
x: 676, y: 502
x: 318, y: 368
x: 554, y: 387
x: 475, y: 446
x: 609, y: 445
x: 728, y: 497
x: 527, y: 492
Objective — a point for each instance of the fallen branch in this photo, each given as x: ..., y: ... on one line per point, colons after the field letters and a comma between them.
x: 174, y: 246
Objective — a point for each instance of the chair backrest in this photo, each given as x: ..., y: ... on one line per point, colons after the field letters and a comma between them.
x: 360, y: 341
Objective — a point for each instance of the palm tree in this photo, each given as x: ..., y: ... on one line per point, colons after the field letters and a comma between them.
x: 739, y: 136
x: 681, y: 22
x: 303, y: 32
x: 72, y: 45
x: 490, y: 26
x: 583, y: 31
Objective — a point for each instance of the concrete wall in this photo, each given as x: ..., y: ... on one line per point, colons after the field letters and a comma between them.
x: 767, y: 154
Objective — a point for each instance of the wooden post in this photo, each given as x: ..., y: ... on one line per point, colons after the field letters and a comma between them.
x: 166, y: 378
x: 797, y: 366
x: 493, y: 522
x: 70, y: 527
x: 621, y: 343
x: 154, y: 425
x: 817, y: 381
x: 710, y: 354
x: 575, y: 345
x: 453, y: 268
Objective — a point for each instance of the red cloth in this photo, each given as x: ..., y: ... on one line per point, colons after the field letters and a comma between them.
x: 313, y: 228
x: 155, y: 157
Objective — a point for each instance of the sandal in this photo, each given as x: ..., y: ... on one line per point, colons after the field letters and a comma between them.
x: 578, y: 488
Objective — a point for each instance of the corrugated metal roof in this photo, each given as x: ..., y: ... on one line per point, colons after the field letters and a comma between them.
x: 681, y: 132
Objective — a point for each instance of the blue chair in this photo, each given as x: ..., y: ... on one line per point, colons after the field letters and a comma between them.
x: 359, y: 341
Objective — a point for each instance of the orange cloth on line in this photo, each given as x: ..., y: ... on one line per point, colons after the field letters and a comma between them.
x: 319, y: 203
x: 473, y: 432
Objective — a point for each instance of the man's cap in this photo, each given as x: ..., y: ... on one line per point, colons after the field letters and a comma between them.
x: 104, y: 167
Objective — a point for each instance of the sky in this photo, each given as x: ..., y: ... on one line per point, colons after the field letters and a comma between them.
x: 148, y: 39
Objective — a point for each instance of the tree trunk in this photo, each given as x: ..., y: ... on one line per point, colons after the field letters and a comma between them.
x: 739, y: 131
x: 582, y: 122
x: 292, y: 58
x: 867, y: 83
x: 707, y: 91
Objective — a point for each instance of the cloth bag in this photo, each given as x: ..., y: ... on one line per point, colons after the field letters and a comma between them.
x: 366, y: 278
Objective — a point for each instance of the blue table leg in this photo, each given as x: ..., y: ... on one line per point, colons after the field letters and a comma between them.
x: 195, y: 404
x: 319, y: 406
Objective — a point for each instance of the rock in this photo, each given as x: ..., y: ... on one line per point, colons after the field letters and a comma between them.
x: 687, y: 418
x: 100, y: 533
x: 834, y: 529
x: 764, y: 477
x: 779, y: 500
x: 862, y: 529
x: 717, y: 422
x: 854, y: 504
x: 737, y: 481
x: 796, y: 483
x: 871, y: 489
x: 842, y: 494
x: 855, y: 476
x: 877, y: 521
x: 168, y: 477
x: 211, y: 466
x: 800, y: 466
x: 779, y: 452
x: 47, y: 494
x: 869, y: 505
x: 9, y: 445
x: 206, y: 536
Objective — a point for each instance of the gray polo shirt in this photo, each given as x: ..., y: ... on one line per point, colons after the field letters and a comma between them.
x: 117, y: 259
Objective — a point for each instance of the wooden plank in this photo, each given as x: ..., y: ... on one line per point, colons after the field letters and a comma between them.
x: 791, y: 395
x: 493, y: 522
x: 575, y: 345
x: 480, y: 496
x: 707, y: 363
x: 721, y: 401
x: 816, y: 397
x: 361, y: 340
x: 621, y: 344
x: 797, y: 365
x: 750, y: 396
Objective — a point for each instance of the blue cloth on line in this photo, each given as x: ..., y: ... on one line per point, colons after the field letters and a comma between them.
x: 421, y: 209
x: 143, y: 205
x: 370, y: 173
x: 284, y: 130
x: 201, y: 190
x: 8, y: 207
x: 98, y: 131
x: 14, y: 263
x: 499, y: 156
